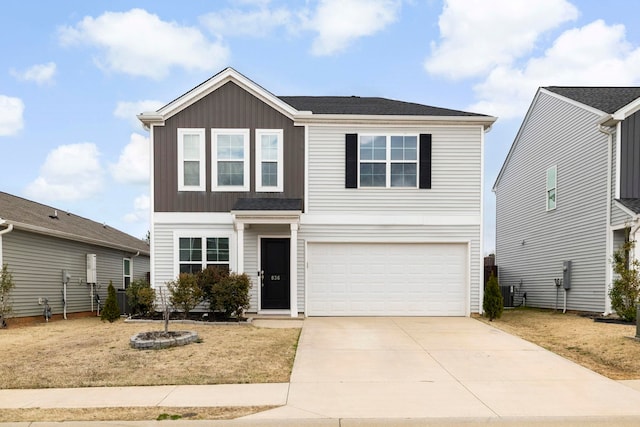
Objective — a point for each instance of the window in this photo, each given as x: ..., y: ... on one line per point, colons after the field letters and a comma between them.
x: 388, y: 161
x: 230, y: 159
x: 552, y: 173
x: 191, y: 154
x: 269, y: 168
x: 192, y: 257
x: 126, y: 272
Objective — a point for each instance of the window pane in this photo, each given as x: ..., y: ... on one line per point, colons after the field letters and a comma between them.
x: 551, y: 178
x: 191, y: 173
x: 269, y: 147
x: 230, y: 147
x: 217, y: 249
x: 373, y: 174
x: 190, y: 249
x: 190, y: 268
x: 269, y: 174
x: 127, y: 267
x: 231, y: 173
x: 403, y: 175
x: 404, y: 148
x: 191, y: 147
x: 373, y: 148
x: 551, y: 199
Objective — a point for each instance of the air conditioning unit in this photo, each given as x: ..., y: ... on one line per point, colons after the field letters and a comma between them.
x: 92, y: 271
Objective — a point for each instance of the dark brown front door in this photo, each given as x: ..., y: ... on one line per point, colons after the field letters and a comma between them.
x: 275, y: 262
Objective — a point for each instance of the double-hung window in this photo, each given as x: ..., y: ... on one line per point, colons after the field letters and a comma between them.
x: 198, y: 253
x: 230, y: 159
x: 388, y: 161
x: 552, y: 177
x: 126, y: 272
x: 191, y: 160
x: 269, y: 168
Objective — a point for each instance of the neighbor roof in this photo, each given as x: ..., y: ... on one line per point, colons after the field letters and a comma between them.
x: 606, y: 99
x: 367, y: 106
x: 31, y: 216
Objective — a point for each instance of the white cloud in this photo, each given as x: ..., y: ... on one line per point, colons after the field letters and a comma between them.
x: 39, y: 73
x: 70, y: 172
x: 11, y: 120
x: 141, y: 44
x: 133, y: 163
x: 478, y: 36
x: 256, y: 23
x: 340, y: 22
x: 130, y: 110
x: 141, y: 206
x: 593, y: 55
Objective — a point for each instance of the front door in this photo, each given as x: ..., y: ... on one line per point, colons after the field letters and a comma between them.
x: 274, y: 262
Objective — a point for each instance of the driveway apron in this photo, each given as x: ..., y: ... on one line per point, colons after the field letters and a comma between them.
x: 438, y: 367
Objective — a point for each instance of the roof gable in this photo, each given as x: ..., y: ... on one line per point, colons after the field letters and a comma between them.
x: 605, y: 99
x: 32, y: 216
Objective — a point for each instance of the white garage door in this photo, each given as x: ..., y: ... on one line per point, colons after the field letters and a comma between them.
x: 381, y: 279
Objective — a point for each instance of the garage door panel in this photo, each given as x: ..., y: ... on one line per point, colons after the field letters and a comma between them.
x: 365, y: 279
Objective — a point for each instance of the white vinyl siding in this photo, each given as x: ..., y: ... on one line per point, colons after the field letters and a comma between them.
x: 531, y: 244
x: 191, y: 159
x: 230, y: 161
x: 269, y: 160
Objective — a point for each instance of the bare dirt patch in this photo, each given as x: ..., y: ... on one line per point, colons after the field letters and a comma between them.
x: 87, y: 352
x: 606, y: 348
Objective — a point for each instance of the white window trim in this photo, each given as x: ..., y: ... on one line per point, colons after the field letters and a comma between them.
x: 555, y: 187
x: 202, y: 235
x: 279, y: 188
x: 388, y: 162
x: 214, y: 160
x: 203, y: 167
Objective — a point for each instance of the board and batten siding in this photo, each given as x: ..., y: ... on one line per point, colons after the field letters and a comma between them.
x: 455, y: 178
x: 618, y: 216
x: 531, y: 242
x: 36, y: 262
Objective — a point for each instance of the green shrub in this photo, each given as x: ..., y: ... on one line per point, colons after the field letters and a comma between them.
x: 141, y: 297
x: 6, y: 286
x: 110, y: 311
x: 207, y: 278
x: 493, y: 304
x: 626, y: 287
x: 231, y: 295
x: 185, y: 294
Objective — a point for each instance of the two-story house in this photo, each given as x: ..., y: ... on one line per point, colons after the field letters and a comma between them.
x: 333, y: 205
x: 569, y: 190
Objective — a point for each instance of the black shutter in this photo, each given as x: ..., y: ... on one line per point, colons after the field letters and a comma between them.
x: 351, y: 160
x: 425, y: 160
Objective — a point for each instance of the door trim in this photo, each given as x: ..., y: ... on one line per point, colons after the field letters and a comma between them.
x: 259, y: 263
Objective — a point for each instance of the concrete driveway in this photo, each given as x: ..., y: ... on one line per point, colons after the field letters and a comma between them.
x: 439, y: 367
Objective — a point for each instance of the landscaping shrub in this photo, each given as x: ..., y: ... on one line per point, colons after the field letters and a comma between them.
x: 110, y: 311
x: 231, y: 295
x: 207, y: 278
x: 6, y: 286
x: 141, y: 297
x: 185, y: 294
x: 493, y: 304
x: 626, y: 287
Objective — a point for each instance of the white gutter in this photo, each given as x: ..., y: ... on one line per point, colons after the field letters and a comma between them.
x: 608, y: 238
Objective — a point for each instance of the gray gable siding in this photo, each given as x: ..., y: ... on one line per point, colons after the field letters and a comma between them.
x: 531, y: 243
x: 618, y: 216
x: 630, y: 158
x: 36, y: 262
x: 227, y: 107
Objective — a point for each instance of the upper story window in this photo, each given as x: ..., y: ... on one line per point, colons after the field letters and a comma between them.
x: 552, y: 175
x: 388, y: 161
x: 269, y: 167
x: 191, y: 160
x: 230, y: 159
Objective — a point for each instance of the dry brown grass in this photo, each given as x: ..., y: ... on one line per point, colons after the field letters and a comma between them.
x: 89, y: 353
x: 605, y: 348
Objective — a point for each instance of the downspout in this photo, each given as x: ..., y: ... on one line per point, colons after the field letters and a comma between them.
x: 608, y: 238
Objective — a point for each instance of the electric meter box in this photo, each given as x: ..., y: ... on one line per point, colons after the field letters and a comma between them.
x: 566, y: 274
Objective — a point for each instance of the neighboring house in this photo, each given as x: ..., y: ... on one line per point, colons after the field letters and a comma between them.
x: 333, y: 205
x: 39, y: 243
x: 568, y: 190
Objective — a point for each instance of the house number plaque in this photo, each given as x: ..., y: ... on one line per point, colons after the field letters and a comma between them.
x: 275, y: 277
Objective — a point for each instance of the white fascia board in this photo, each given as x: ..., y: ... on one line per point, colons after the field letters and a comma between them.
x: 417, y: 220
x: 627, y: 110
x: 224, y: 218
x: 215, y: 82
x: 390, y: 120
x: 266, y: 217
x: 151, y: 118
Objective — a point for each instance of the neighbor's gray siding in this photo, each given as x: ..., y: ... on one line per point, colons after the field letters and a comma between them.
x: 36, y: 262
x: 531, y: 243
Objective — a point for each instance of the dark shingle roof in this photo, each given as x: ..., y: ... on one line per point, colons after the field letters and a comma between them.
x: 23, y: 212
x: 268, y: 204
x: 606, y: 99
x: 367, y: 106
x: 632, y: 204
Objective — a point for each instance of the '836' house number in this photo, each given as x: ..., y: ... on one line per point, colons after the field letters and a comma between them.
x: 275, y: 277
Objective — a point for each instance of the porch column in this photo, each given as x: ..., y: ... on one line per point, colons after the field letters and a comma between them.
x: 239, y: 226
x: 294, y: 269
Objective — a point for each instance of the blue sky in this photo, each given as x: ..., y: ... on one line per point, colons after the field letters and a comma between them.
x: 74, y: 73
